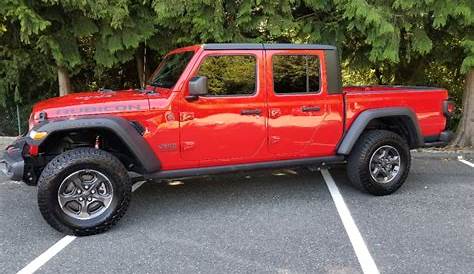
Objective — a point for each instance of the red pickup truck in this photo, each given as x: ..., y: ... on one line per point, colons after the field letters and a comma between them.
x: 217, y: 108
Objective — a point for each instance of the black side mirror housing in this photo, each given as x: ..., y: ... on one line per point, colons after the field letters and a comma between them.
x: 197, y: 87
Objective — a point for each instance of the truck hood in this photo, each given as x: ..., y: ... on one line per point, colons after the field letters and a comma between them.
x: 90, y: 103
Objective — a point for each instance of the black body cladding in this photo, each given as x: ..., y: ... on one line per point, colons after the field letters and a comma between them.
x: 129, y: 135
x: 361, y: 122
x: 333, y: 72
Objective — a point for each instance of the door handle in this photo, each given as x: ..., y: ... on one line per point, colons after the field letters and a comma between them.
x: 275, y: 113
x: 310, y: 109
x: 251, y: 112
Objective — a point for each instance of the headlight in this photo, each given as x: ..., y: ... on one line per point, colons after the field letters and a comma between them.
x: 38, y: 135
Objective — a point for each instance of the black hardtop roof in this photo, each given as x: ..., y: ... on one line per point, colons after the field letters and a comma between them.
x: 257, y: 46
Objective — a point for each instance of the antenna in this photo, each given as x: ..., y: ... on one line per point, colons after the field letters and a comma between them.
x: 144, y: 66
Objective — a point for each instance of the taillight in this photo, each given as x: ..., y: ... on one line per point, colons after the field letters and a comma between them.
x: 448, y: 108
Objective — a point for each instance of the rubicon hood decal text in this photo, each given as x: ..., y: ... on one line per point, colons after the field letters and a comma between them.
x: 98, y: 109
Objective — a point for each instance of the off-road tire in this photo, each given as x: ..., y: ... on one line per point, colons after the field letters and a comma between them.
x: 67, y: 163
x: 358, y: 161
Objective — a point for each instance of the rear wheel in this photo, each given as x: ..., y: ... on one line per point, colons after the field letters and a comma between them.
x: 83, y: 191
x: 379, y: 162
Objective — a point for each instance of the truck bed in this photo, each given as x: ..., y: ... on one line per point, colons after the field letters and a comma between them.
x: 425, y: 102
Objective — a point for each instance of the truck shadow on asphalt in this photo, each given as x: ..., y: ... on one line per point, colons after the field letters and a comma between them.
x: 245, y: 220
x: 238, y: 193
x: 241, y: 192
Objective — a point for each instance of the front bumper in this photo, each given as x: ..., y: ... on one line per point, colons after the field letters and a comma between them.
x: 12, y: 163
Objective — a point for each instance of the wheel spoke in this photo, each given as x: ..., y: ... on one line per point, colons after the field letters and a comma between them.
x: 376, y: 160
x: 77, y: 183
x: 376, y: 171
x: 95, y: 183
x: 104, y: 199
x: 383, y: 152
x: 64, y: 199
x: 83, y: 213
x: 394, y: 160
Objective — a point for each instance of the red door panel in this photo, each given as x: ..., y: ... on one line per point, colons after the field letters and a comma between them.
x: 224, y: 129
x: 303, y: 124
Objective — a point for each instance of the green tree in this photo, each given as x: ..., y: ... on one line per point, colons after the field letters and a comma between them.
x: 87, y: 44
x: 423, y: 42
x: 114, y: 29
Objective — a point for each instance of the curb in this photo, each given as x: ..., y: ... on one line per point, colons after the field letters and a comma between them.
x: 5, y: 141
x: 7, y: 138
x: 442, y: 154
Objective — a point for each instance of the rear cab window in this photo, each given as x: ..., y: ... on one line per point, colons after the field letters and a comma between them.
x: 296, y: 74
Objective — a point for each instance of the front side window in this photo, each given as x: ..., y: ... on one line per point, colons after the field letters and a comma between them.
x: 171, y: 69
x: 229, y: 74
x: 295, y: 74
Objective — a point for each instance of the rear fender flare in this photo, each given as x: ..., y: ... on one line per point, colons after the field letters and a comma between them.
x: 119, y: 126
x: 361, y: 122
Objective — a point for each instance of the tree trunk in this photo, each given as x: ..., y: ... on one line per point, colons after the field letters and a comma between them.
x: 379, y: 76
x: 141, y: 61
x: 465, y: 132
x: 140, y: 68
x: 64, y: 81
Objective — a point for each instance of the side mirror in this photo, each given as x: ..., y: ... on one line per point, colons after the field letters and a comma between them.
x: 197, y: 87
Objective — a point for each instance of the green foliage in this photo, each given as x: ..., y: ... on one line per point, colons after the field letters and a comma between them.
x: 230, y: 74
x: 382, y: 42
x: 468, y: 62
x: 295, y: 73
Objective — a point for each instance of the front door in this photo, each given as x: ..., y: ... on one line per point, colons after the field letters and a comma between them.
x: 304, y: 120
x: 227, y: 125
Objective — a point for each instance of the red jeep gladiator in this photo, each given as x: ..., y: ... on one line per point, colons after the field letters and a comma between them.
x: 218, y: 108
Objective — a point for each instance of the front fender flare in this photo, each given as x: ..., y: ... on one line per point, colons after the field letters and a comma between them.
x: 119, y: 126
x: 361, y: 122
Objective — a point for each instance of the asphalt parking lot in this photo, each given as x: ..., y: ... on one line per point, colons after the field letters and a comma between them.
x: 281, y: 221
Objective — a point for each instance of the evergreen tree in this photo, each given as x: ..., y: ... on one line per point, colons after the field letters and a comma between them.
x: 56, y: 44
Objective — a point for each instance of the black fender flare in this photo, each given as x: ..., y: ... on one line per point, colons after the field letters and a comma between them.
x: 137, y: 145
x: 361, y: 122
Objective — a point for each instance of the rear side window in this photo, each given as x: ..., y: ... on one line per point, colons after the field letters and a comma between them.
x: 230, y: 74
x: 295, y: 74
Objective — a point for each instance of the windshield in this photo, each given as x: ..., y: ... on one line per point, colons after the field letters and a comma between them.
x: 170, y: 69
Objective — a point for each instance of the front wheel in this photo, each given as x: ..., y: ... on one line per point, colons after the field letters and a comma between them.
x: 379, y: 162
x: 83, y: 191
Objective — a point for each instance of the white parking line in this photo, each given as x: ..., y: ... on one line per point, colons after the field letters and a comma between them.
x: 47, y: 255
x: 34, y: 265
x: 366, y: 261
x: 460, y: 159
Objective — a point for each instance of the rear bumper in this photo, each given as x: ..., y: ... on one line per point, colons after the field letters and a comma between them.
x: 12, y: 163
x: 440, y: 141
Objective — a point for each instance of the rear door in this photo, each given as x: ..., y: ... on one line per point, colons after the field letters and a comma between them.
x: 227, y: 125
x: 304, y: 120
